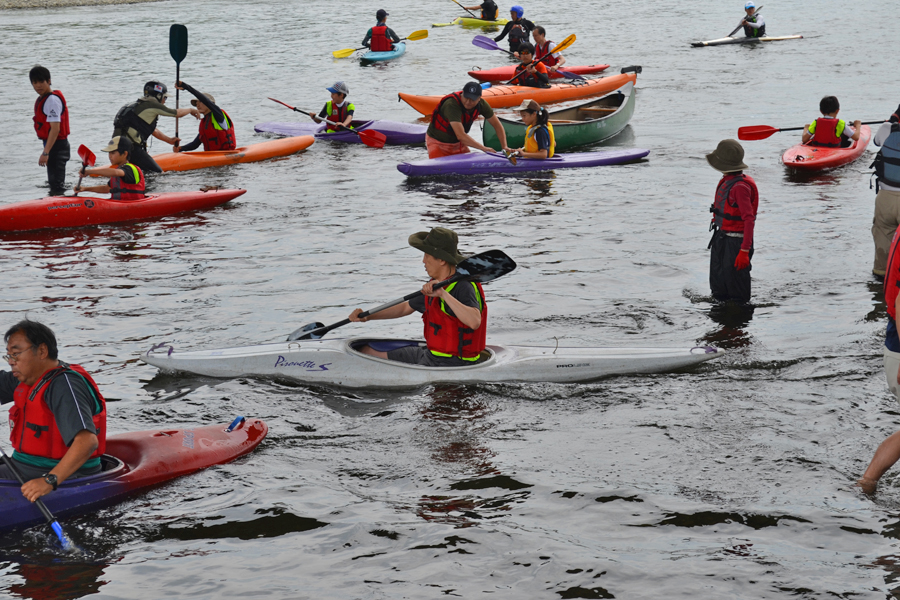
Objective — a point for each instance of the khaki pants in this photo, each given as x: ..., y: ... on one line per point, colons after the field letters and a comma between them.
x: 891, y: 364
x: 885, y: 223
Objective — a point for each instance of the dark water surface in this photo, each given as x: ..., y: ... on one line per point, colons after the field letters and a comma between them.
x: 728, y: 481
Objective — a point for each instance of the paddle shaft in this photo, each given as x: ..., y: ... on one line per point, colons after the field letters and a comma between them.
x: 742, y: 22
x: 294, y: 108
x: 177, y: 78
x: 774, y: 130
x: 466, y: 9
x: 54, y: 524
x: 323, y: 330
x: 563, y: 45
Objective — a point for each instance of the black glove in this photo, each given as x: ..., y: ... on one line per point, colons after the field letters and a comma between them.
x: 896, y: 116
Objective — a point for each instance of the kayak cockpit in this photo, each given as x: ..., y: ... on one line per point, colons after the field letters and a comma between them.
x: 487, y: 355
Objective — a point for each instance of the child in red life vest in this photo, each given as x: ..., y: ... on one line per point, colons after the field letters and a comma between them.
x: 337, y: 110
x: 126, y: 181
x: 828, y: 130
x: 380, y: 38
x: 51, y: 123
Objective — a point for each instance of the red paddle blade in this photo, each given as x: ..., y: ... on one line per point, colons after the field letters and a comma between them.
x: 87, y: 157
x: 373, y: 139
x: 282, y: 103
x: 756, y: 132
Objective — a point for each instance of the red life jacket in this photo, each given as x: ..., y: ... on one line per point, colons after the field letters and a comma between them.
x: 128, y: 191
x: 532, y: 80
x: 448, y: 336
x: 541, y: 50
x: 336, y: 114
x: 892, y: 277
x: 826, y: 133
x: 34, y: 429
x: 214, y: 137
x: 379, y: 41
x: 41, y: 127
x: 441, y: 123
x: 726, y: 213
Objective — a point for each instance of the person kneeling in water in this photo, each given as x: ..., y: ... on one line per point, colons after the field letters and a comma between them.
x: 126, y: 181
x: 455, y: 317
x: 540, y: 141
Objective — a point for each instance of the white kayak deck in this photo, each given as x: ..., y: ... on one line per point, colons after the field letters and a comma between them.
x: 336, y: 362
x: 745, y: 40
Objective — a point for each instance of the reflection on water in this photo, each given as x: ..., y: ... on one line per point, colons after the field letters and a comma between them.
x: 733, y: 319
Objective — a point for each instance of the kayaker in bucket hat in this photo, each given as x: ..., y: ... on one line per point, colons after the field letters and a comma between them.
x: 455, y: 317
x: 734, y: 216
x: 337, y: 110
x: 216, y: 127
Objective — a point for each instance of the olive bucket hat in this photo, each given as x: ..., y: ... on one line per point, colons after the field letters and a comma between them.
x: 440, y: 243
x: 728, y: 157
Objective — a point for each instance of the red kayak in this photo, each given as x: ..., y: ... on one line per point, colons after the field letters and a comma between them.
x: 134, y: 462
x: 818, y: 158
x: 506, y: 73
x: 78, y: 211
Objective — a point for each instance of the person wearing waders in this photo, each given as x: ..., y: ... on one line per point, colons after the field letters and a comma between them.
x: 734, y: 216
x: 887, y: 190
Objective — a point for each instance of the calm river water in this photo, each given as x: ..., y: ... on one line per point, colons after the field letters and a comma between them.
x: 732, y: 480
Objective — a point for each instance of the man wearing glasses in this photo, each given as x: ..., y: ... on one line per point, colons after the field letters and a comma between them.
x: 58, y: 416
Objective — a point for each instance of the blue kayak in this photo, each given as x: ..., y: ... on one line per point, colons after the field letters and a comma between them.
x: 399, y: 50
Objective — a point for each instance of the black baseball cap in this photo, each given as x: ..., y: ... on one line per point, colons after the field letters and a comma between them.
x: 472, y: 91
x: 381, y: 13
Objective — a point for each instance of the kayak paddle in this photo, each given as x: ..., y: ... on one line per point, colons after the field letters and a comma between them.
x: 761, y: 132
x: 487, y: 43
x: 373, y: 139
x: 482, y: 268
x: 568, y: 41
x: 54, y: 524
x: 421, y: 34
x: 178, y: 42
x: 87, y: 160
x: 742, y: 21
x: 464, y: 8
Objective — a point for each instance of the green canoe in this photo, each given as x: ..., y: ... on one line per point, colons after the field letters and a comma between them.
x: 580, y: 125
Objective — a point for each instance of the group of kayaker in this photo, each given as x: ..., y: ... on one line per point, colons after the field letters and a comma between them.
x: 134, y: 124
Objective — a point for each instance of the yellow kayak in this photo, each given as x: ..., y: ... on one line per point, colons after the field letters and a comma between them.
x: 471, y: 22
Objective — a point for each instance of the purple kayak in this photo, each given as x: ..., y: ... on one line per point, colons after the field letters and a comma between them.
x: 480, y: 163
x: 397, y: 133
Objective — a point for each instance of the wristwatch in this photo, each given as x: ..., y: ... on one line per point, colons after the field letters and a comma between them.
x: 50, y: 478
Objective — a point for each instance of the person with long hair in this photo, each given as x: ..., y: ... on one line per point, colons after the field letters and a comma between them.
x: 540, y: 141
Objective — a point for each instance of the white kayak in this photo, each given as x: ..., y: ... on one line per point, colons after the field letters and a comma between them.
x: 745, y: 40
x: 337, y: 362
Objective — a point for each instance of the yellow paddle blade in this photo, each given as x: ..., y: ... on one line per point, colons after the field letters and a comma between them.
x: 343, y: 53
x: 564, y: 44
x: 418, y: 35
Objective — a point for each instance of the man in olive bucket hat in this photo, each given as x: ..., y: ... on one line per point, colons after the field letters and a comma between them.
x: 455, y: 317
x: 734, y: 215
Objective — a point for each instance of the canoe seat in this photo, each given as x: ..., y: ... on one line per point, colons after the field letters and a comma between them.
x: 564, y: 121
x: 599, y: 110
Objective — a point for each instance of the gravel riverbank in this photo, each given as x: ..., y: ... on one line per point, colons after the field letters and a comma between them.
x: 9, y: 4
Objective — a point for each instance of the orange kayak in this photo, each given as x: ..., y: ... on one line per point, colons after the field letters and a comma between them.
x: 187, y: 161
x: 507, y: 96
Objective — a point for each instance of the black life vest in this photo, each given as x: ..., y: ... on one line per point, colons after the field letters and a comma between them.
x: 887, y: 161
x: 489, y: 10
x: 127, y: 117
x: 518, y: 34
x: 751, y: 32
x: 441, y: 123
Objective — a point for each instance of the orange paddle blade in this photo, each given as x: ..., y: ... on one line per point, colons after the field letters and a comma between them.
x: 756, y: 132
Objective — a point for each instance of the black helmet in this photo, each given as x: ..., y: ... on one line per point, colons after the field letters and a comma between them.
x: 156, y: 89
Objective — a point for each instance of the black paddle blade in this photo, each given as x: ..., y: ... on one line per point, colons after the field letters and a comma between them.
x: 486, y: 266
x: 301, y: 333
x: 178, y: 42
x: 633, y: 69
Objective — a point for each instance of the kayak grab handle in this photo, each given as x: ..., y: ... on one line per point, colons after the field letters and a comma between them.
x: 237, y: 421
x: 706, y: 349
x: 162, y: 345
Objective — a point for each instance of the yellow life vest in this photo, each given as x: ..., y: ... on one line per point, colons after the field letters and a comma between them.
x: 531, y: 142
